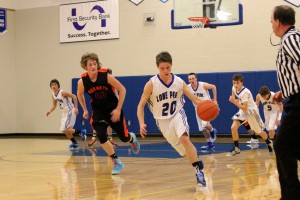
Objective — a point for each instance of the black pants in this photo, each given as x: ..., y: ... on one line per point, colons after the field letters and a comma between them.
x: 287, y: 149
x: 101, y: 120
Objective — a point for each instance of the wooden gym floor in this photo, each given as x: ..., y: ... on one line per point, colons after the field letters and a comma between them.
x: 37, y: 168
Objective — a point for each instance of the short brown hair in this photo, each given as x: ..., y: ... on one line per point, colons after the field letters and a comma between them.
x: 163, y: 57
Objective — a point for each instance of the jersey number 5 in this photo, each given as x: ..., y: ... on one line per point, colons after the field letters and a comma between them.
x: 168, y: 108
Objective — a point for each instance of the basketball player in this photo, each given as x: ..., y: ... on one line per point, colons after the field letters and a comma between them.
x: 200, y: 90
x: 272, y: 110
x: 164, y: 94
x: 106, y: 107
x: 109, y: 129
x: 69, y: 112
x: 242, y: 98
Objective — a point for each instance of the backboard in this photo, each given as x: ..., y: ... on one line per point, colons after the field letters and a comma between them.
x: 219, y: 12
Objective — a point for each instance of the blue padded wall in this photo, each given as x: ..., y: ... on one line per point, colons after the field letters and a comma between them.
x: 135, y: 84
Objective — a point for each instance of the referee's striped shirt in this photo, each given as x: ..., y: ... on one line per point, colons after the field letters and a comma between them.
x: 288, y: 61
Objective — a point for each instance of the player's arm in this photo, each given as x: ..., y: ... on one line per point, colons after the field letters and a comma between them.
x: 81, y: 99
x: 115, y: 114
x: 74, y: 98
x: 257, y: 100
x: 243, y: 106
x: 208, y: 86
x: 279, y: 114
x: 141, y: 106
x: 54, y: 104
x: 187, y: 91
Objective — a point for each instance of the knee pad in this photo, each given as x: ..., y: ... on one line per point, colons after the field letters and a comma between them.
x: 100, y: 128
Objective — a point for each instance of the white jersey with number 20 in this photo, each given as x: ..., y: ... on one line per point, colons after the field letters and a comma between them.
x: 166, y: 100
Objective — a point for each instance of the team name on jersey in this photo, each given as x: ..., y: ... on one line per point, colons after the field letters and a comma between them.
x: 199, y: 94
x: 166, y: 95
x: 267, y: 102
x: 97, y: 88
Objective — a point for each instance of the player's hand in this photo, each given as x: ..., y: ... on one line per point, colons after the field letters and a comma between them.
x: 86, y: 115
x: 231, y: 99
x: 215, y: 101
x: 278, y: 97
x: 48, y: 113
x: 115, y: 115
x: 143, y: 130
x: 76, y: 111
x: 277, y: 122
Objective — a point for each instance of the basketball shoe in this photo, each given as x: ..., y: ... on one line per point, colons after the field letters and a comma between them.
x: 92, y: 141
x: 270, y: 147
x: 213, y: 135
x: 82, y: 134
x: 200, y: 179
x: 209, y: 146
x: 234, y: 151
x: 135, y: 145
x: 253, y: 145
x: 73, y: 146
x: 253, y: 141
x: 118, y: 166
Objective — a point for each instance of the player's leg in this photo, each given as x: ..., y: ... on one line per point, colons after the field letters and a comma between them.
x: 271, y: 124
x: 212, y: 132
x: 93, y: 140
x: 235, y: 138
x: 175, y: 130
x: 100, y: 124
x: 101, y: 127
x: 125, y: 136
x: 202, y: 128
x: 67, y: 124
x: 253, y: 140
x: 258, y: 126
x: 109, y: 136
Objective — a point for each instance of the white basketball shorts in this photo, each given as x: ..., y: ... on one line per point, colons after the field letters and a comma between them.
x: 201, y: 124
x: 173, y: 128
x: 270, y: 119
x: 255, y: 120
x: 68, y: 119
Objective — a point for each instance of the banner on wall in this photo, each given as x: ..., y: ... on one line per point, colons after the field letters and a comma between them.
x: 2, y: 21
x: 97, y: 20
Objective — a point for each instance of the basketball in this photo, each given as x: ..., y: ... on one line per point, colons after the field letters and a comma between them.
x: 207, y: 110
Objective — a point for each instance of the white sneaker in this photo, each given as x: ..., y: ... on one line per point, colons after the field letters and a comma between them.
x: 253, y: 145
x: 253, y: 141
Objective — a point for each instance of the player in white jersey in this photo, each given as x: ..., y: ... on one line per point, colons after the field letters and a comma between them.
x: 69, y: 112
x: 272, y: 110
x: 200, y: 90
x: 164, y: 94
x: 242, y: 98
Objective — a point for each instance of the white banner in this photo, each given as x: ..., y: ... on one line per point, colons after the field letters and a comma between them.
x: 97, y: 20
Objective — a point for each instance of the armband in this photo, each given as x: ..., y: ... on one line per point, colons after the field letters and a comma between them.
x: 279, y: 116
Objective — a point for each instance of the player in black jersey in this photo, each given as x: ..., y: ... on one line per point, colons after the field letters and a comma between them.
x: 106, y: 107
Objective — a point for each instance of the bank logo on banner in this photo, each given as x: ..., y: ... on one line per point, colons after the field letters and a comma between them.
x: 2, y: 21
x: 136, y: 2
x: 98, y: 20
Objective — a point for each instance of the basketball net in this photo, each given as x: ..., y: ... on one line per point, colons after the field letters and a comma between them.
x: 199, y: 22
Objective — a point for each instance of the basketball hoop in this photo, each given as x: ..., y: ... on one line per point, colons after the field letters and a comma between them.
x: 199, y: 22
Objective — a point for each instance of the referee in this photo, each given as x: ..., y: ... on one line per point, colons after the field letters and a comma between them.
x: 287, y: 142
